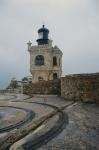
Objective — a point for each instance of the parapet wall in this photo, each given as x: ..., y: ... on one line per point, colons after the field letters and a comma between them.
x: 43, y: 87
x: 84, y: 87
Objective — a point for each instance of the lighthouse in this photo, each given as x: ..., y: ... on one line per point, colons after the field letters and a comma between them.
x: 45, y: 59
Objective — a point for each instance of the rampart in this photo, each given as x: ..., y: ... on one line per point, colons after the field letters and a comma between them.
x: 81, y: 87
x: 43, y: 87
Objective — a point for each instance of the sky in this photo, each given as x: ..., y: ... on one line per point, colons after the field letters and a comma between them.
x: 73, y: 25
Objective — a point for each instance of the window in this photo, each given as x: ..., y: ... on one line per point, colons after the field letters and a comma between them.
x: 55, y: 76
x: 39, y: 60
x: 41, y: 35
x: 40, y: 78
x: 54, y: 61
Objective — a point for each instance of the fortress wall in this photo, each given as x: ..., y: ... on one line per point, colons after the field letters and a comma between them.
x: 43, y: 87
x: 84, y: 87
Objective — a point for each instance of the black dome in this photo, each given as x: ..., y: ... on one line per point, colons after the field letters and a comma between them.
x: 43, y: 36
x: 43, y: 29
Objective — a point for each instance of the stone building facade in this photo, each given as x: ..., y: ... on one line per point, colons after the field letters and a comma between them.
x: 45, y: 60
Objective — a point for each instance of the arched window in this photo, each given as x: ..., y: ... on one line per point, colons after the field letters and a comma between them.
x: 54, y: 61
x: 39, y: 60
x: 40, y: 78
x: 55, y: 76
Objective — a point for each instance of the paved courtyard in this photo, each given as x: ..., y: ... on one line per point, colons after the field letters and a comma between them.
x: 47, y: 123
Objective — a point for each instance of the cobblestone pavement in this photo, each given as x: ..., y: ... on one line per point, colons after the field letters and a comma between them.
x: 82, y: 131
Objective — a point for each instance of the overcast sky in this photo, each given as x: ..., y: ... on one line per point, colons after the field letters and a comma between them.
x: 73, y: 25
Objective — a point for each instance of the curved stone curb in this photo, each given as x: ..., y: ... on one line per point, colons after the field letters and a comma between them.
x: 20, y: 133
x: 44, y: 138
x: 41, y: 139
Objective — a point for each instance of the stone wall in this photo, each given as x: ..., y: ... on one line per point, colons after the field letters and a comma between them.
x: 84, y: 87
x: 43, y: 87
